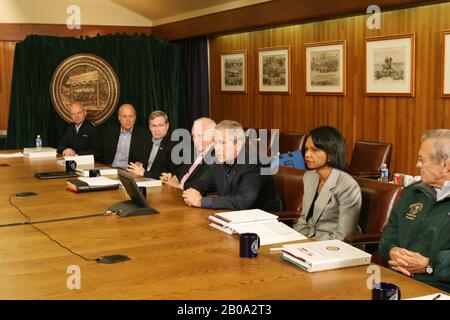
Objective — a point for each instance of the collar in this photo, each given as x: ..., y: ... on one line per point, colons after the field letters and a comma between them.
x: 123, y: 131
x: 157, y: 141
x: 444, y: 192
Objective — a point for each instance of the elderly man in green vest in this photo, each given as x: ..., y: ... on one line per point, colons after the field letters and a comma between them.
x: 416, y: 241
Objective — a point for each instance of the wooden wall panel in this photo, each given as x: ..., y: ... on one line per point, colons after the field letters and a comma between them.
x: 6, y: 70
x: 272, y: 13
x: 398, y: 120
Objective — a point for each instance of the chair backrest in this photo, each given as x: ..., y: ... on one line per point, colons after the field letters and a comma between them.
x: 378, y: 199
x: 368, y: 156
x: 289, y: 183
x: 291, y: 141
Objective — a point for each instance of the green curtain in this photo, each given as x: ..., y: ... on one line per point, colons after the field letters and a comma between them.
x: 150, y: 72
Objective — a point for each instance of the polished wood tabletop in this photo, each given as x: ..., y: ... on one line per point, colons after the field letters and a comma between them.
x: 174, y: 254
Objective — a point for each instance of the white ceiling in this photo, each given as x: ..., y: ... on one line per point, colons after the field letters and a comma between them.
x: 166, y: 11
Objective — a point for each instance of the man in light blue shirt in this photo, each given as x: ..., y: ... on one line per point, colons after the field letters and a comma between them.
x: 123, y: 144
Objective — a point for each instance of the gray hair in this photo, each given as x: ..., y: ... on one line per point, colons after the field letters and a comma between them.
x: 441, y: 147
x: 234, y: 127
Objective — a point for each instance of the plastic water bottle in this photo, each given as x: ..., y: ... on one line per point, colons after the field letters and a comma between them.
x: 384, y: 173
x: 38, y: 142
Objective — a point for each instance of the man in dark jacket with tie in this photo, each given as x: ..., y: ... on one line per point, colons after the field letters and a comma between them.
x: 82, y: 136
x: 237, y: 179
x: 200, y: 153
x: 156, y: 151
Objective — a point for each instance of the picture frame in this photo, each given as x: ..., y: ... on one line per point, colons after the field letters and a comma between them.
x: 274, y: 70
x: 445, y: 72
x: 325, y: 68
x: 233, y: 71
x: 390, y: 65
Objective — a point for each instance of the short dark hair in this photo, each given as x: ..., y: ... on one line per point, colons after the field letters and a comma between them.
x: 330, y: 140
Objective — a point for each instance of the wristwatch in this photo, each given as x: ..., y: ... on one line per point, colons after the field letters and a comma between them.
x: 428, y: 269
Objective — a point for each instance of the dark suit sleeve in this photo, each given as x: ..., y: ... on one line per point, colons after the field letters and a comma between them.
x: 64, y: 142
x: 244, y: 198
x: 93, y: 144
x: 205, y: 184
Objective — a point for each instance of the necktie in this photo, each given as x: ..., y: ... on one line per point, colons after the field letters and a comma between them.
x: 197, y: 161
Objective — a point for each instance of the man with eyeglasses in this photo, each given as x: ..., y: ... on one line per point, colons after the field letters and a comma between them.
x: 157, y: 150
x: 416, y: 241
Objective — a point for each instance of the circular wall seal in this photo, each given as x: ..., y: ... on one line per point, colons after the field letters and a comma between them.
x: 88, y: 79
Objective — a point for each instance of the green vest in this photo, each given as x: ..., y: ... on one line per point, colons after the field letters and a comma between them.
x: 421, y: 224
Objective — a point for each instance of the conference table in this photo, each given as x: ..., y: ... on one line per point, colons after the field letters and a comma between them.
x: 174, y: 254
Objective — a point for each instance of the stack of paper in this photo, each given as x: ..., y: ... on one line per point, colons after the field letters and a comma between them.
x: 80, y: 160
x: 99, y: 181
x: 438, y: 296
x: 265, y: 224
x: 91, y: 184
x: 104, y: 171
x: 148, y: 182
x: 324, y: 255
x: 11, y: 155
x: 46, y: 152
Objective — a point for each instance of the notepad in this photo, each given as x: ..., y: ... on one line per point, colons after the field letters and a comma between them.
x: 99, y: 181
x: 11, y: 155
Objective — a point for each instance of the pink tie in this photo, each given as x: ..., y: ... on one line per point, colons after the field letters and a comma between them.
x: 197, y: 161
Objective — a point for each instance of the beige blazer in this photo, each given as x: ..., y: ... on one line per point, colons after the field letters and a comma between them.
x: 337, y: 208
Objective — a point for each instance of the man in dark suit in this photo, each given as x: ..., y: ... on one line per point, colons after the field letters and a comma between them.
x: 187, y: 173
x: 82, y: 136
x: 157, y: 150
x: 123, y: 144
x: 235, y: 177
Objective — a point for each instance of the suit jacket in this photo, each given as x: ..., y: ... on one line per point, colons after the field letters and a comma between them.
x: 337, y: 207
x: 238, y: 187
x: 110, y: 138
x: 163, y: 161
x: 184, y: 168
x: 86, y: 141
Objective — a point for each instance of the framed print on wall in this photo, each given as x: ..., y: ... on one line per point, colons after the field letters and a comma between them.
x: 233, y: 71
x: 274, y: 74
x: 326, y: 68
x: 390, y: 65
x: 446, y: 64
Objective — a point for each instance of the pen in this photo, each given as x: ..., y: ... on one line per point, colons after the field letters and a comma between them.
x: 437, y: 297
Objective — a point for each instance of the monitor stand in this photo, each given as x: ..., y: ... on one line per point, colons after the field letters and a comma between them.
x: 129, y: 208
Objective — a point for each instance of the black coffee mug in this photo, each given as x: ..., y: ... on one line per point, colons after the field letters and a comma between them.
x: 94, y: 173
x: 71, y: 165
x: 249, y: 245
x: 144, y: 191
x: 386, y: 291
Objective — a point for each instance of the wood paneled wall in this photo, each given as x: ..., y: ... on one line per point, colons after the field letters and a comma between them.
x: 272, y: 13
x: 6, y: 70
x: 398, y: 120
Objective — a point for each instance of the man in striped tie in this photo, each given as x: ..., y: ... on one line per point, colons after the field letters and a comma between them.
x: 203, y: 138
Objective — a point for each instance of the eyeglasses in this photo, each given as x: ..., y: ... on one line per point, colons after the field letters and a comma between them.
x: 422, y: 160
x: 157, y: 126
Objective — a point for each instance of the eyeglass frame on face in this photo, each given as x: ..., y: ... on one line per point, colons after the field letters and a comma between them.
x: 422, y: 160
x: 158, y: 126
